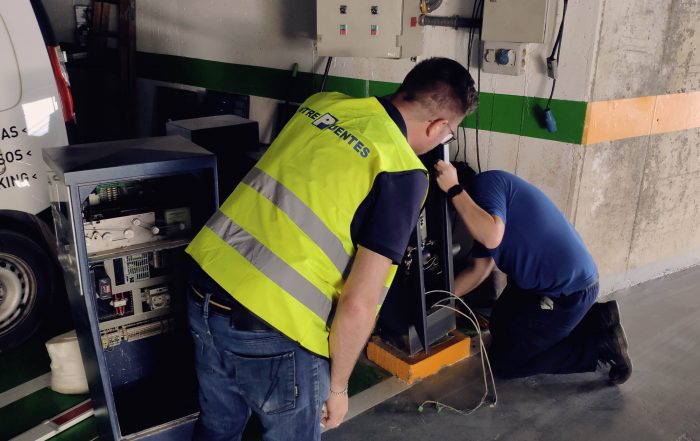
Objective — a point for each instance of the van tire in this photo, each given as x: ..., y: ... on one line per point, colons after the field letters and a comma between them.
x: 25, y: 287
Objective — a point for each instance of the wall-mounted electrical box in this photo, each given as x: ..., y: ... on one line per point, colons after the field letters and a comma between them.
x: 518, y: 21
x: 124, y: 212
x: 368, y: 28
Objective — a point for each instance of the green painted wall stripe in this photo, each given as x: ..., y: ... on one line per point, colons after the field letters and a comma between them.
x: 511, y: 114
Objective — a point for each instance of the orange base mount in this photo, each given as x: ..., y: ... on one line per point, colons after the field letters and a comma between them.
x: 413, y: 368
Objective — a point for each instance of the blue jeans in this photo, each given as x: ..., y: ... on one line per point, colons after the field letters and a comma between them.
x: 533, y: 336
x: 240, y: 372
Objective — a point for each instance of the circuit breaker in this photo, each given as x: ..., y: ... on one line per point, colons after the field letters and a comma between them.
x: 124, y: 211
x: 368, y: 28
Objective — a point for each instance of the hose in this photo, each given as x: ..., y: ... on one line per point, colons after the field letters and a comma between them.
x: 453, y: 22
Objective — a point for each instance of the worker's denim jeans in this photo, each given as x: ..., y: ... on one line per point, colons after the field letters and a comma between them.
x: 259, y: 371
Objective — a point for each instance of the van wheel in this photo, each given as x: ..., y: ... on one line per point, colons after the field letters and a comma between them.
x: 25, y: 285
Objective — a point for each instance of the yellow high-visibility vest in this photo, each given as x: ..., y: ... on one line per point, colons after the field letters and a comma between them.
x: 281, y: 244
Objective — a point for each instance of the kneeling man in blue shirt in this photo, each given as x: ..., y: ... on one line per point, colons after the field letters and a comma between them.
x: 547, y: 320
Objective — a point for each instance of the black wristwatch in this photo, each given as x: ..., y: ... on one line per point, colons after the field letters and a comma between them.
x: 454, y: 191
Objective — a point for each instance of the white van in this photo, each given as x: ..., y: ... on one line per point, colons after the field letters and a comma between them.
x: 35, y: 104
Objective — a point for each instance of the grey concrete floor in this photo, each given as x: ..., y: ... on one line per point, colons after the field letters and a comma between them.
x: 661, y: 401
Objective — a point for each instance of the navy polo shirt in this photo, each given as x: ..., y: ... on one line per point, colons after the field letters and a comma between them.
x: 385, y: 219
x: 540, y: 251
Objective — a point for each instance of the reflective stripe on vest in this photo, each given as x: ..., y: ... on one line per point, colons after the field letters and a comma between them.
x: 382, y: 297
x: 301, y: 215
x: 272, y: 266
x: 267, y: 262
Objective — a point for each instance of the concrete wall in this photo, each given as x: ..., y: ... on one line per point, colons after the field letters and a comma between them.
x: 632, y: 199
x: 647, y: 48
x: 638, y: 202
x: 277, y: 33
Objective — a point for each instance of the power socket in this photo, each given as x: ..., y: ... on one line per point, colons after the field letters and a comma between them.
x: 503, y: 58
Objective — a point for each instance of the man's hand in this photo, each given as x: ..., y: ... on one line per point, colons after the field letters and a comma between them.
x: 446, y: 175
x: 486, y: 228
x: 335, y: 411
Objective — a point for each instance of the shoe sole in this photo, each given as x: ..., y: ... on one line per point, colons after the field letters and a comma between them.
x: 621, y: 337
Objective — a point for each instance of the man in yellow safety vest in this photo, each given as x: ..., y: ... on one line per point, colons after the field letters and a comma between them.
x: 290, y: 272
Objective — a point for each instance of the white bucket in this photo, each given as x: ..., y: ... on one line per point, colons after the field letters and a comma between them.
x: 67, y: 370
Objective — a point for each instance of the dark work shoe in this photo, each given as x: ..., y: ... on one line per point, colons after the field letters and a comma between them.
x: 605, y: 315
x: 613, y: 351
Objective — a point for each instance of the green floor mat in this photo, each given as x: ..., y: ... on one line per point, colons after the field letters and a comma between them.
x: 83, y: 431
x: 33, y: 409
x: 365, y: 375
x: 23, y: 364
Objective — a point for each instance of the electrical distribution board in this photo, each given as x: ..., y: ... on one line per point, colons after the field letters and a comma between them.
x: 124, y: 212
x: 368, y: 28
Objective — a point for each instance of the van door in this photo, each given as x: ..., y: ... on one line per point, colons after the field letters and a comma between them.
x: 9, y: 73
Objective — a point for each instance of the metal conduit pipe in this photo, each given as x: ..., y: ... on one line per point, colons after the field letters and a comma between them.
x: 452, y: 22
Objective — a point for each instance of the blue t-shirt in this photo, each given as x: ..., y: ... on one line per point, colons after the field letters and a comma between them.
x: 540, y: 251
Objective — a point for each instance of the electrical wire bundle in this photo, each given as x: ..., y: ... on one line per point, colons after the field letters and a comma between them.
x: 485, y: 362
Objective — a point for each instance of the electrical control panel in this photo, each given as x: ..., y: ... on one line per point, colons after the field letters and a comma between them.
x: 368, y: 28
x: 132, y: 293
x: 124, y: 212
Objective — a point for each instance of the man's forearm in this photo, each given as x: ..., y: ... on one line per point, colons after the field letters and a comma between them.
x: 482, y: 226
x: 355, y: 314
x: 472, y: 276
x: 351, y: 329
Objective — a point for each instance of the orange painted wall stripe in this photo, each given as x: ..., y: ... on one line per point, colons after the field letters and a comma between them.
x: 626, y: 118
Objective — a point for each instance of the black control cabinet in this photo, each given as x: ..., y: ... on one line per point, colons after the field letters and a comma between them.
x: 408, y: 319
x: 233, y: 139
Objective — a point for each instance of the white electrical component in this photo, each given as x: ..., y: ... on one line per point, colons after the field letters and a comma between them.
x: 156, y: 298
x: 177, y: 219
x: 368, y: 28
x: 118, y: 303
x: 120, y: 232
x: 503, y: 58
